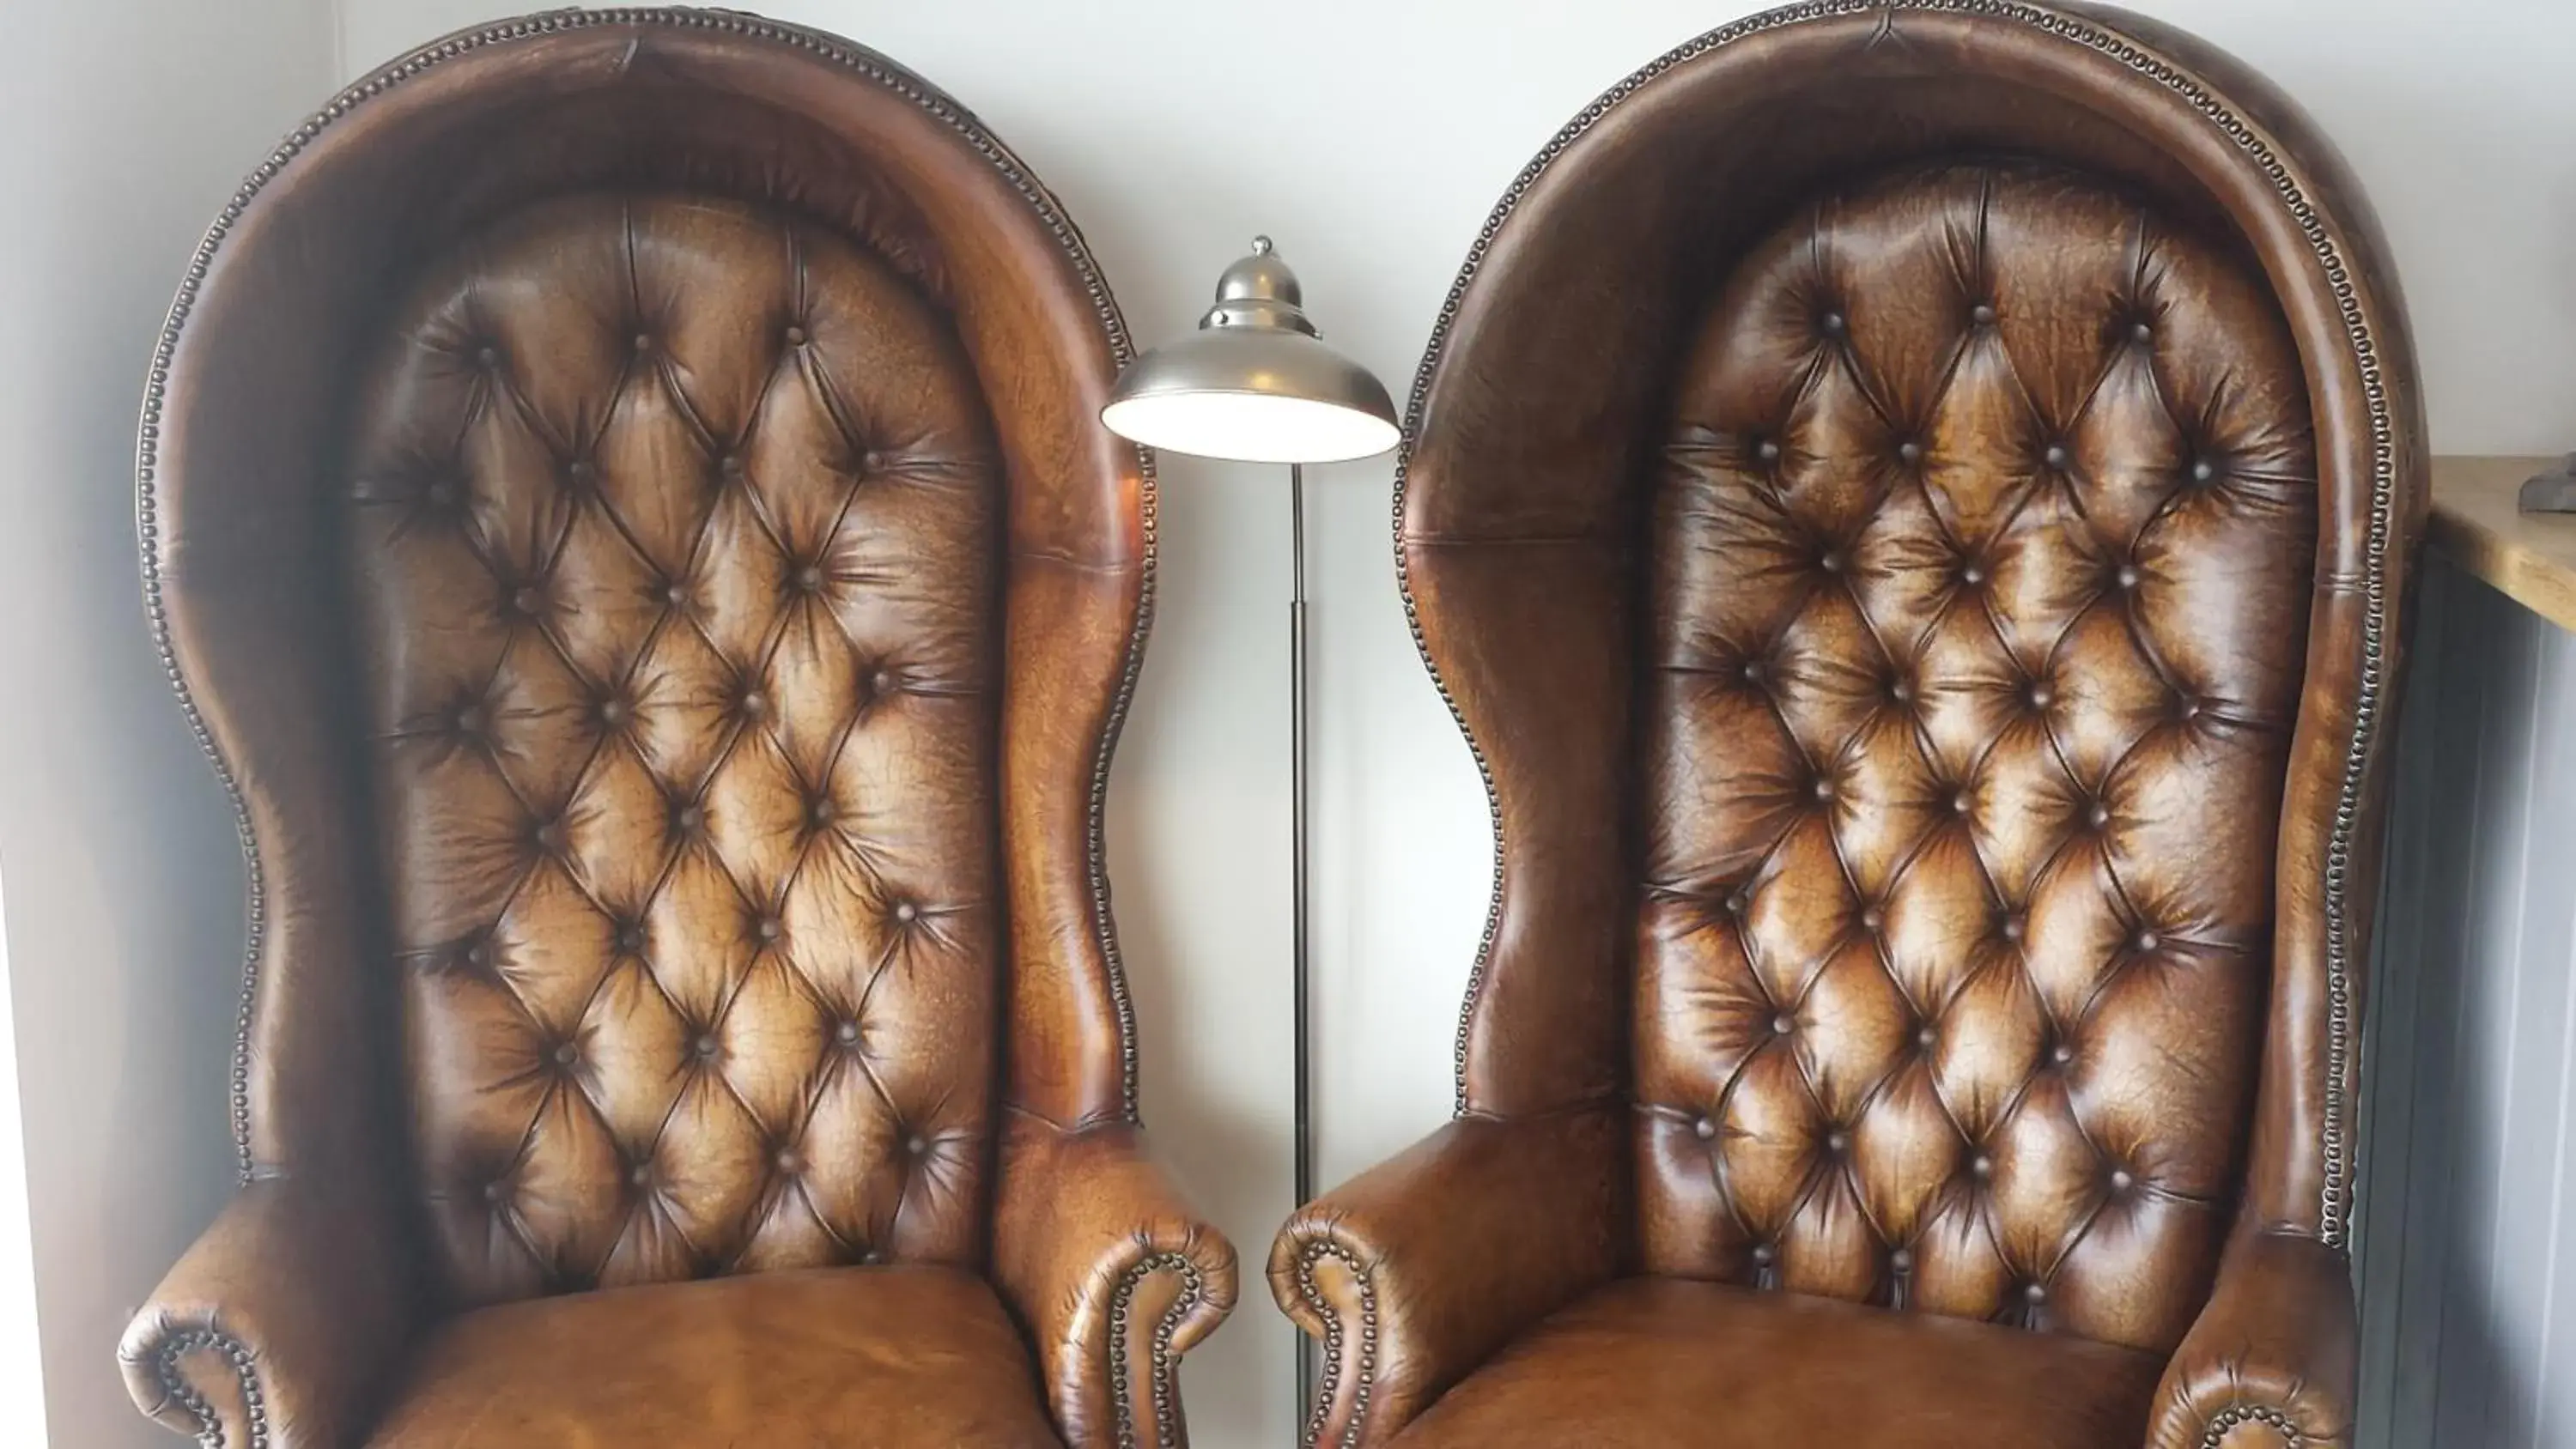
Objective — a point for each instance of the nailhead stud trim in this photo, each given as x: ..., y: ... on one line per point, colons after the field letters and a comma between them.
x: 1329, y: 1377
x: 2336, y: 1203
x: 868, y: 64
x: 1168, y: 1428
x: 2226, y: 1420
x: 174, y: 1382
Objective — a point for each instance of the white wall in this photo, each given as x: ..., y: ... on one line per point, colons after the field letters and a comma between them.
x: 128, y: 124
x: 1370, y: 138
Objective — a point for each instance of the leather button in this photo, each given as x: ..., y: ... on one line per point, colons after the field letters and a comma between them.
x: 1823, y: 790
x: 847, y: 1033
x: 1767, y: 450
x: 2146, y: 941
x: 809, y: 578
x: 442, y: 494
x: 2187, y: 708
x: 550, y: 837
x: 527, y: 601
x: 675, y: 594
x: 795, y: 336
x: 689, y: 818
x: 872, y: 1257
x: 1927, y: 1038
x: 754, y: 704
x: 1909, y: 451
x: 2126, y: 576
x: 2121, y: 1181
x: 2203, y: 470
x: 2035, y: 1293
x: 1982, y: 1165
x: 2061, y: 1054
x: 630, y: 939
x: 1837, y: 1142
x: 614, y: 712
x: 874, y: 460
x: 567, y: 1055
x: 493, y: 1192
x: 2097, y: 815
x: 2056, y: 456
x: 1972, y: 574
x: 766, y: 928
x: 730, y: 465
x: 915, y: 1145
x: 2012, y: 928
x: 1831, y: 561
x: 470, y: 720
x: 583, y: 473
x: 2041, y: 696
x: 1764, y: 1253
x: 907, y: 912
x: 1901, y: 690
x: 704, y: 1045
x: 1962, y: 803
x: 1871, y: 918
x: 2141, y: 332
x: 1738, y: 903
x: 641, y: 1174
x: 1983, y: 314
x: 488, y: 357
x: 788, y: 1162
x: 819, y: 814
x: 1753, y: 671
x: 881, y: 682
x: 1783, y: 1024
x: 643, y: 341
x: 1703, y: 1129
x: 479, y: 954
x: 1901, y: 1261
x: 1833, y: 323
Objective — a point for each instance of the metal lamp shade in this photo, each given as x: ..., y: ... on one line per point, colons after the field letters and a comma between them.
x: 1254, y: 383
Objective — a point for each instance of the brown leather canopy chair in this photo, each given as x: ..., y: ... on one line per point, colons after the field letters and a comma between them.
x: 622, y: 499
x: 1910, y: 504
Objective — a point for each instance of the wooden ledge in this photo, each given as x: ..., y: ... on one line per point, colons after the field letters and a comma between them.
x: 2531, y: 557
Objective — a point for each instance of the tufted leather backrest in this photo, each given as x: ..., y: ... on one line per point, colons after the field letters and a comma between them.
x: 1980, y: 558
x: 673, y: 531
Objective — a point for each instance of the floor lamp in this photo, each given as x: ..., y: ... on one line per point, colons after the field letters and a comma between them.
x: 1256, y: 384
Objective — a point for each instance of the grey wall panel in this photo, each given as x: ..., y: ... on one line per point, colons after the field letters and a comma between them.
x: 2468, y: 1289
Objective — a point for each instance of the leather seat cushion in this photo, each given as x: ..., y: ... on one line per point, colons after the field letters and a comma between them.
x: 887, y: 1358
x: 1657, y: 1362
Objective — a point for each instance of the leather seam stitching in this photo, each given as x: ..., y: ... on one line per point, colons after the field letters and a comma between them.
x: 869, y: 65
x: 2334, y: 1193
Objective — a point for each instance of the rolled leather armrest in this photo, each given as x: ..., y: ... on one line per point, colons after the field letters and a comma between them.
x: 1112, y: 1272
x: 1418, y: 1270
x: 2272, y: 1359
x: 278, y: 1328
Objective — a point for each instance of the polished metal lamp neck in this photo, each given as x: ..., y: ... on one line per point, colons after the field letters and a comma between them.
x: 1259, y: 291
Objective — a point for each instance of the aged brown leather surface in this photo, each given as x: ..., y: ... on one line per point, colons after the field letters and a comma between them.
x: 1650, y: 1362
x: 904, y: 1356
x: 623, y: 496
x: 1913, y: 509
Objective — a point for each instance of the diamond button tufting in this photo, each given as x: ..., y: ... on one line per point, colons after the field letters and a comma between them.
x: 1703, y: 1128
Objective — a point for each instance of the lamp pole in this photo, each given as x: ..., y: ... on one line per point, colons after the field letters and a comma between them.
x: 1256, y: 383
x: 1305, y: 1136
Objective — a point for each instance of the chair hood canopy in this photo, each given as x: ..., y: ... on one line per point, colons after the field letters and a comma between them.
x: 246, y: 417
x: 1536, y: 420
